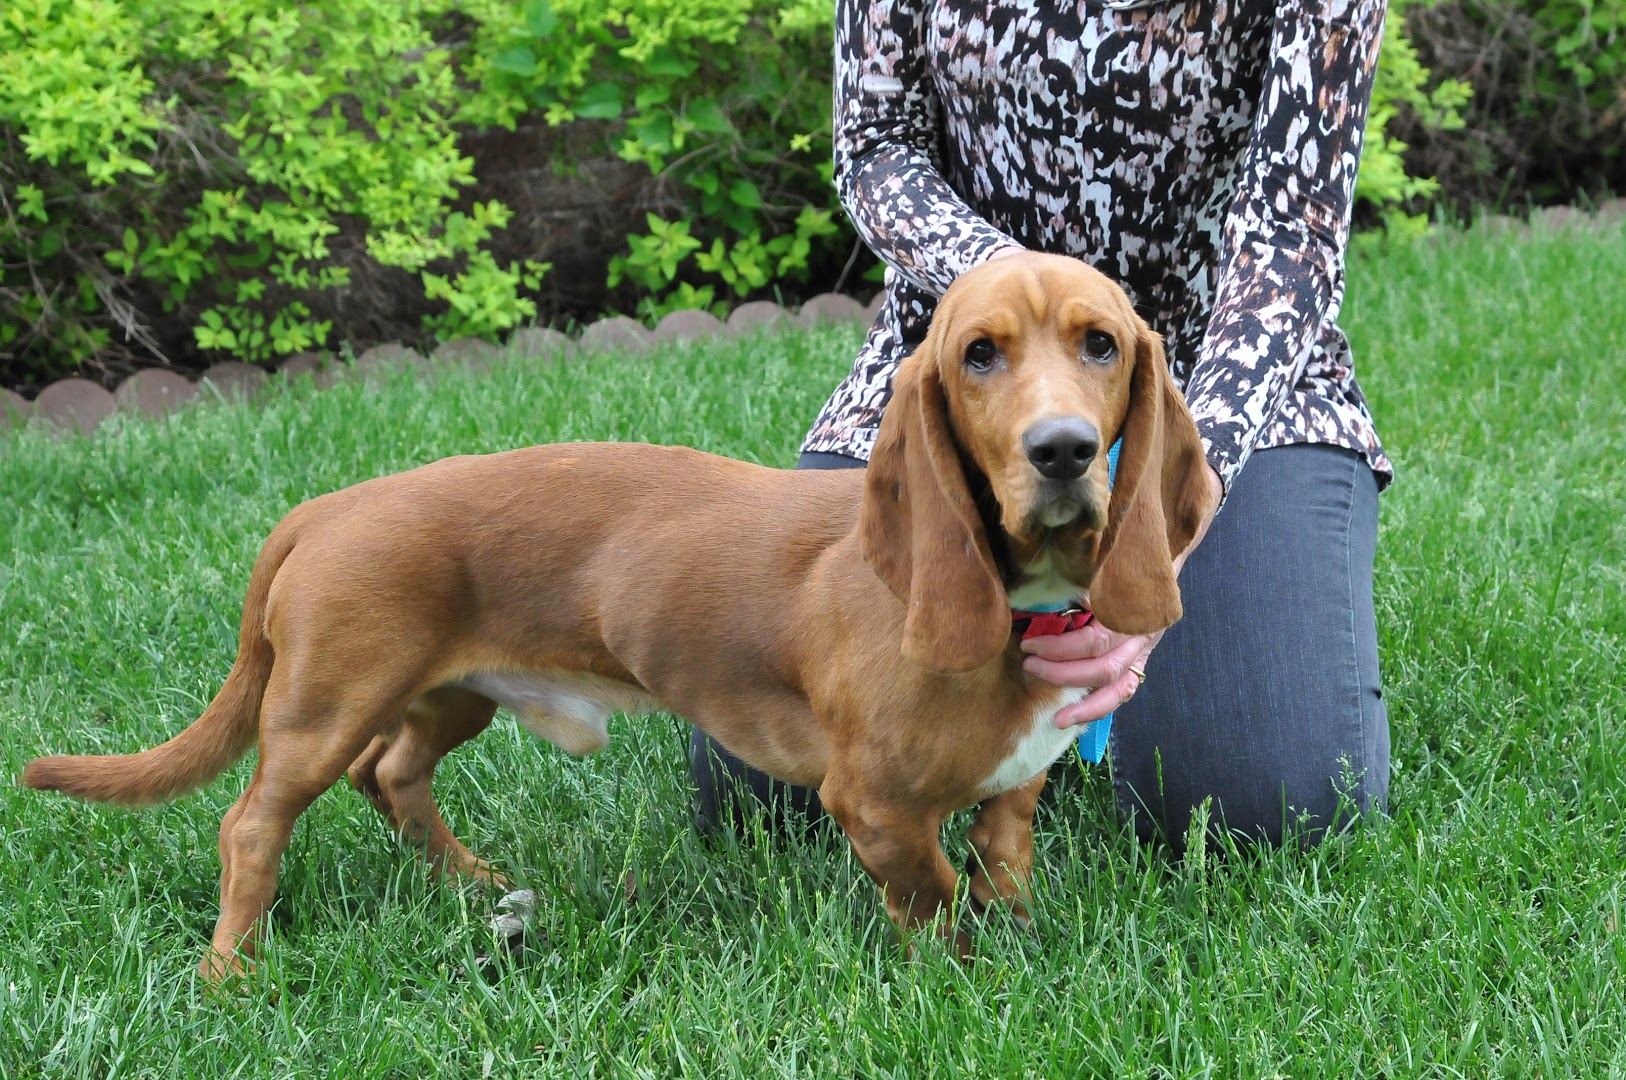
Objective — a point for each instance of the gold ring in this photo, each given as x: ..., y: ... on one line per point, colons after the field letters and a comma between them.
x: 1139, y: 674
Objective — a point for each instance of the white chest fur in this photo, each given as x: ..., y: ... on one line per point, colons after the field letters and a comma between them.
x: 1039, y: 745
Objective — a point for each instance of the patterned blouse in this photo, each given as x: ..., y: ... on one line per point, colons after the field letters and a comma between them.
x: 1201, y: 152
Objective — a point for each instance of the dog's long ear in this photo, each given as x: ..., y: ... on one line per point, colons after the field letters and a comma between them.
x: 1158, y: 501
x: 920, y: 531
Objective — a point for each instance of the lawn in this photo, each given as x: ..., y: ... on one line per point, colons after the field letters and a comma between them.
x: 1476, y: 931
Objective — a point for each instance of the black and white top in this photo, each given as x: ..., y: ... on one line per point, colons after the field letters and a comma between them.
x: 1201, y: 152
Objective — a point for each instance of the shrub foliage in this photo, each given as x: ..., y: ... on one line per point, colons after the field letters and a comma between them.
x: 186, y: 179
x: 727, y: 101
x: 1403, y: 87
x: 1547, y: 122
x: 220, y: 164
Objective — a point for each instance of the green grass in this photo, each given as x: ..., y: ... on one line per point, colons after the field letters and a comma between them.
x: 1478, y: 931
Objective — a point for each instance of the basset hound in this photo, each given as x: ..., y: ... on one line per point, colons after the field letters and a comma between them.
x: 840, y: 629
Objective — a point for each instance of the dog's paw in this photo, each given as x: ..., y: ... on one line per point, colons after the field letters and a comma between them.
x: 985, y: 899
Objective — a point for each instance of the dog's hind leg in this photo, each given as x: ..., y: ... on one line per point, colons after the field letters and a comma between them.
x: 308, y: 733
x: 1001, y: 861
x: 396, y: 770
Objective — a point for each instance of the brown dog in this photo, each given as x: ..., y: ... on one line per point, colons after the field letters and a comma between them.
x: 846, y: 630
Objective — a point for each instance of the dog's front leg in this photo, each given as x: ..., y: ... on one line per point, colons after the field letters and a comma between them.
x: 1001, y: 861
x: 900, y: 849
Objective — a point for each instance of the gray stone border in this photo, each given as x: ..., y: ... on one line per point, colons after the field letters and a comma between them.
x: 80, y: 405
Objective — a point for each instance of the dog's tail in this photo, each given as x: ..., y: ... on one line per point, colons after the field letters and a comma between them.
x: 210, y: 744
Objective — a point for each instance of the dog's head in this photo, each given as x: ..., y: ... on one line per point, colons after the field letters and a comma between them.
x: 991, y: 460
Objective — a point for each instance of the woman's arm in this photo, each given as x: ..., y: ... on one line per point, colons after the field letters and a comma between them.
x: 886, y: 149
x: 1282, y: 262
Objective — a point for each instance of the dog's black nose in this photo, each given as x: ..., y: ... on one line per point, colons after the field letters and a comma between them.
x: 1061, y: 447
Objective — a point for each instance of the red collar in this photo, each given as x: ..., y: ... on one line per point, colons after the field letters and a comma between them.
x: 1026, y: 624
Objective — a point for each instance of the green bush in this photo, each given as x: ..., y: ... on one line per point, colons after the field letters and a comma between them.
x: 184, y: 179
x: 727, y: 101
x: 200, y: 160
x: 1547, y: 123
x: 1401, y: 87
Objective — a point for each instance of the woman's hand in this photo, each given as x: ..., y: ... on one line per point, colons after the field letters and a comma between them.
x: 1090, y: 656
x: 1093, y: 656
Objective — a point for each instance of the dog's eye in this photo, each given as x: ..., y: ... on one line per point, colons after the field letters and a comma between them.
x: 981, y: 354
x: 1099, y: 346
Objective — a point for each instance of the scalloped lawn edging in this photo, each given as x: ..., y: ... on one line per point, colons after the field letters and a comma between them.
x: 80, y: 405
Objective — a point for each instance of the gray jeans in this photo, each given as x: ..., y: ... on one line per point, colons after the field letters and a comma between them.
x: 1264, y: 698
